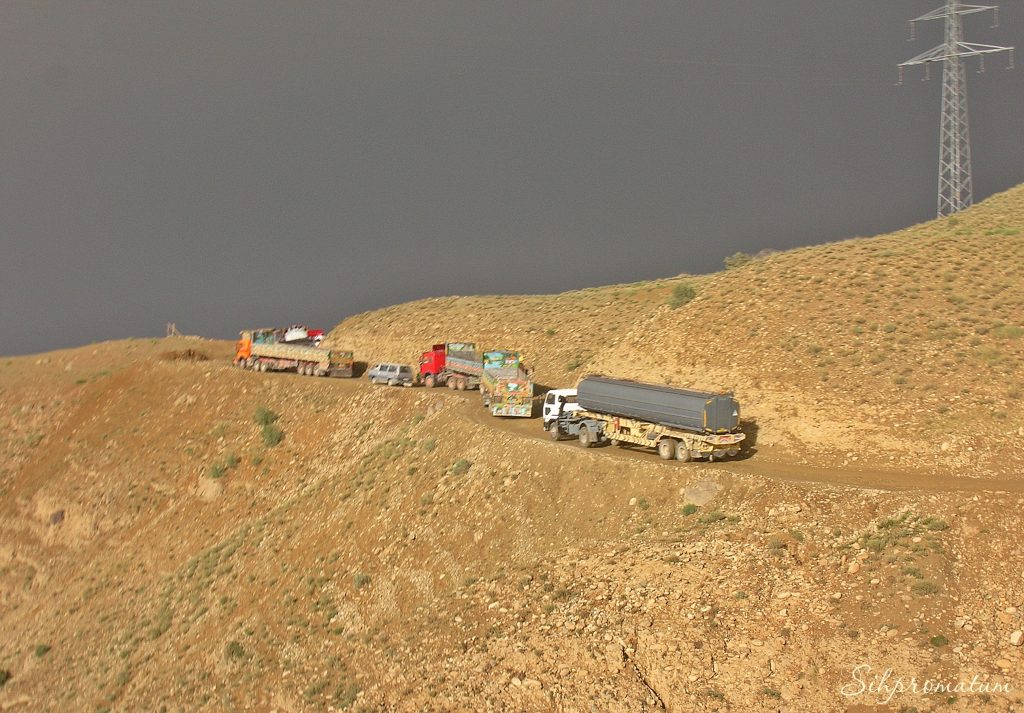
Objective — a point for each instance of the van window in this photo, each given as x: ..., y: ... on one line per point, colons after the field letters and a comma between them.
x: 405, y: 370
x: 550, y: 399
x: 392, y: 368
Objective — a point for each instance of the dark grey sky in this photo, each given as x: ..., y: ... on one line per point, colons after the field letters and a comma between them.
x: 237, y: 163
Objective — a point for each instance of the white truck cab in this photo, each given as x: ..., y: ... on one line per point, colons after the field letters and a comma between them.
x: 559, y: 400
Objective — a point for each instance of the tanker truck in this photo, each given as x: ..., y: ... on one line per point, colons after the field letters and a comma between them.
x: 679, y: 424
x: 260, y: 350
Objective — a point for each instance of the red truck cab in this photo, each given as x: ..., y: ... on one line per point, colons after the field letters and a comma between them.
x: 434, y: 364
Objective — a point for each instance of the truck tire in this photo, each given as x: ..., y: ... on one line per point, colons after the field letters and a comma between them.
x: 392, y: 382
x: 586, y: 439
x: 554, y: 431
x: 429, y: 381
x: 683, y: 452
x: 667, y: 448
x: 462, y: 384
x: 452, y: 382
x: 264, y: 366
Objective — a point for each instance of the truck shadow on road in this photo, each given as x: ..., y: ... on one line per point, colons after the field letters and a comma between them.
x: 750, y: 429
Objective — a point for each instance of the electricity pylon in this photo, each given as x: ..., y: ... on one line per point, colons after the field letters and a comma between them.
x: 955, y: 189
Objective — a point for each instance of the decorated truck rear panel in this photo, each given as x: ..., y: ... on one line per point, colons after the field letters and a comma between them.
x: 505, y: 387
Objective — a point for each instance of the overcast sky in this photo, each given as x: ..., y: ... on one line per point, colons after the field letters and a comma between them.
x: 230, y: 164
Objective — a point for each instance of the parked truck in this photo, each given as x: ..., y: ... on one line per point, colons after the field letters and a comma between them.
x: 505, y: 386
x: 457, y: 364
x: 260, y: 350
x: 678, y: 423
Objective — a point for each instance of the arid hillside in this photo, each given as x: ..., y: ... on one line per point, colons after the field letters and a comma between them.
x: 902, y: 350
x: 177, y: 534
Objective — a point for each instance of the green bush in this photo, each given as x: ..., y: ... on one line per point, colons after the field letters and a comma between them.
x: 265, y: 417
x: 939, y: 640
x: 41, y: 650
x: 924, y: 587
x: 713, y: 516
x: 689, y: 509
x: 360, y: 580
x: 5, y: 676
x: 737, y: 260
x: 272, y: 435
x: 682, y: 293
x: 461, y: 466
x: 234, y: 651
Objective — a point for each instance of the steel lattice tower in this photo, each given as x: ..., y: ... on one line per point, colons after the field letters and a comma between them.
x: 955, y: 189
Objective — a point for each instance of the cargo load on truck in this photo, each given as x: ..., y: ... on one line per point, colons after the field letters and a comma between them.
x: 679, y: 423
x: 263, y: 350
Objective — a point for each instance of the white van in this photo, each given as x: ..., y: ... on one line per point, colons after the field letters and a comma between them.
x: 559, y: 399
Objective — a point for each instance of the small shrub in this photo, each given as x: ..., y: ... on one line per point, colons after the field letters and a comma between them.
x: 234, y: 651
x: 460, y: 466
x: 41, y: 650
x: 771, y: 692
x: 938, y: 641
x: 429, y: 445
x: 912, y: 571
x: 272, y: 435
x: 935, y: 524
x: 682, y: 294
x: 740, y: 595
x: 924, y: 587
x: 265, y: 417
x: 713, y: 516
x: 738, y: 259
x: 5, y: 676
x: 575, y: 363
x: 642, y: 503
x: 360, y: 580
x: 689, y: 509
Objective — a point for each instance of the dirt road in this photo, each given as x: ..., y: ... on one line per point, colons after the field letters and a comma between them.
x: 761, y: 464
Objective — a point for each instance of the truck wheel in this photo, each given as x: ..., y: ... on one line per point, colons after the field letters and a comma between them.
x: 392, y: 382
x: 429, y: 381
x: 667, y: 448
x: 461, y: 386
x: 264, y: 366
x: 683, y: 452
x: 554, y: 431
x: 452, y: 383
x: 614, y: 441
x: 586, y: 440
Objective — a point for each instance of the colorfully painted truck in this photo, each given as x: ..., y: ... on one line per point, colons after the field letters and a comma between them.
x: 505, y: 386
x: 678, y: 423
x: 457, y: 364
x: 258, y: 349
